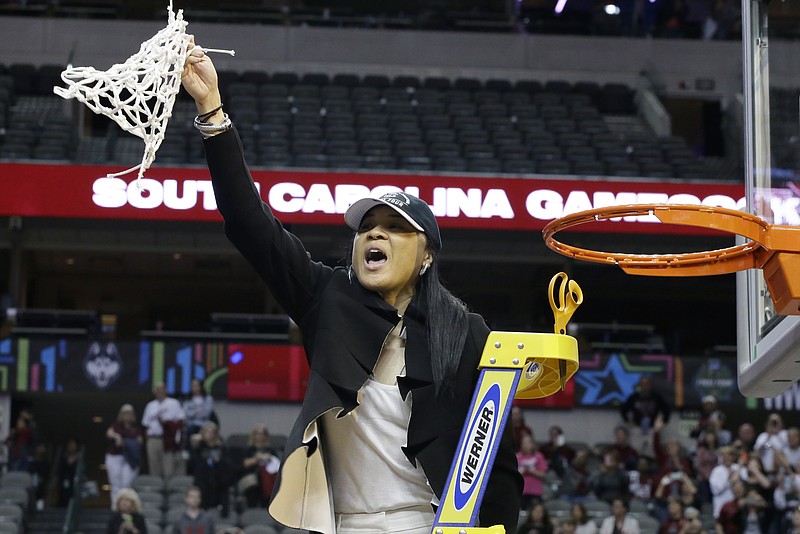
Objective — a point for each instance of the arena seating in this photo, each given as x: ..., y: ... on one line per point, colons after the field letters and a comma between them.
x: 374, y: 122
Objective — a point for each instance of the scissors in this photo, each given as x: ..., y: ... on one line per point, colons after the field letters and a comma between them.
x: 564, y: 302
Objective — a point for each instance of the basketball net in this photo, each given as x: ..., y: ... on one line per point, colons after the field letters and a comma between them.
x: 139, y: 94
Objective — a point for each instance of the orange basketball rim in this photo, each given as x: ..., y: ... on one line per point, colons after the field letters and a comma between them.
x: 773, y: 248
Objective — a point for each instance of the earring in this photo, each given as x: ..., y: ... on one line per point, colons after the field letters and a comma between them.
x: 424, y: 269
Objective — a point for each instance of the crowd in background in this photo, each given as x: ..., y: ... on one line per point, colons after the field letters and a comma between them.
x: 173, y: 437
x: 742, y: 482
x: 716, y: 479
x: 183, y: 438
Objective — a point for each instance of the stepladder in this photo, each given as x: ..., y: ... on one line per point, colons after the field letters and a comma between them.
x: 521, y: 365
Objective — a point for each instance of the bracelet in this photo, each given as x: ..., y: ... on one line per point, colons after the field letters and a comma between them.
x: 205, y: 116
x: 208, y: 129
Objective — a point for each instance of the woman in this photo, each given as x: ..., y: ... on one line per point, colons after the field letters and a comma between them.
x: 610, y: 481
x: 619, y: 522
x: 198, y: 408
x: 773, y: 438
x: 385, y: 341
x: 538, y: 521
x: 124, y: 452
x: 127, y: 517
x: 67, y: 465
x: 794, y: 526
x: 706, y: 459
x: 675, y: 520
x: 211, y: 468
x: 533, y: 468
x: 260, y: 464
x: 692, y: 523
x: 583, y: 523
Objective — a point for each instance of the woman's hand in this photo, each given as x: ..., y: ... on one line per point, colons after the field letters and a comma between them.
x: 199, y: 78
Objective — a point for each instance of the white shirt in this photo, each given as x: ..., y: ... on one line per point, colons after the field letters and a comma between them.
x: 721, y: 491
x: 630, y: 525
x: 168, y: 409
x: 369, y: 438
x: 590, y: 527
x: 766, y: 444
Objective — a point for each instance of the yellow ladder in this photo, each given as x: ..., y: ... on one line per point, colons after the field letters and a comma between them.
x: 523, y: 365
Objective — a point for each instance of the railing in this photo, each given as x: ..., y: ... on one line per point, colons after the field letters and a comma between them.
x: 74, y: 507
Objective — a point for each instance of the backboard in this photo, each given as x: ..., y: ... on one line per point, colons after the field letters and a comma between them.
x: 768, y: 344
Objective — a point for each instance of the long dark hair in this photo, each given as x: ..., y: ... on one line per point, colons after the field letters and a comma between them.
x: 447, y: 324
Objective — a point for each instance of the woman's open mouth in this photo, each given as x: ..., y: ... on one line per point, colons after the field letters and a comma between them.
x: 374, y: 258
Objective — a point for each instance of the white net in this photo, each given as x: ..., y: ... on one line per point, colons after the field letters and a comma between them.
x: 139, y: 94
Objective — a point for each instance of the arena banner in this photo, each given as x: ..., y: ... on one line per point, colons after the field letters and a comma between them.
x: 307, y: 197
x: 278, y: 372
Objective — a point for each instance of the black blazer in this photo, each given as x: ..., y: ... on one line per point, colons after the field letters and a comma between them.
x: 344, y: 327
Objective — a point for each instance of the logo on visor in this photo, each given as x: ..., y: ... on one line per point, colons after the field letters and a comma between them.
x: 397, y: 198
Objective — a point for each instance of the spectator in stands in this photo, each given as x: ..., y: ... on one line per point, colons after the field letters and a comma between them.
x: 575, y: 481
x: 722, y: 477
x: 385, y: 340
x: 619, y: 522
x: 764, y: 483
x: 260, y: 465
x: 773, y: 438
x: 789, y: 456
x: 40, y: 469
x: 533, y: 467
x: 675, y: 517
x: 674, y: 473
x: 692, y: 523
x: 628, y: 456
x: 745, y: 437
x: 163, y: 418
x: 758, y: 478
x: 124, y: 451
x: 717, y: 425
x: 583, y: 523
x: 675, y: 485
x: 706, y: 459
x: 709, y: 410
x: 520, y: 427
x: 641, y: 410
x: 669, y: 456
x: 22, y: 441
x: 643, y: 480
x: 194, y: 519
x: 794, y: 527
x: 558, y: 454
x: 211, y: 468
x: 127, y: 517
x: 728, y: 16
x: 198, y: 409
x: 538, y: 521
x: 753, y: 515
x: 712, y: 419
x: 67, y: 465
x: 566, y: 526
x: 787, y: 493
x: 727, y: 518
x: 610, y: 482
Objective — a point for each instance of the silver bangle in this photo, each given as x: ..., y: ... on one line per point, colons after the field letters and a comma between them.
x: 208, y: 129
